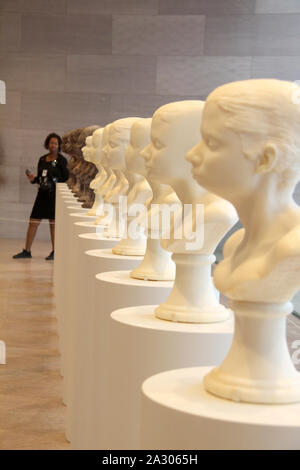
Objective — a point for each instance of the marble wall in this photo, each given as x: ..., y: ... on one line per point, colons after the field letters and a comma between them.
x: 71, y: 63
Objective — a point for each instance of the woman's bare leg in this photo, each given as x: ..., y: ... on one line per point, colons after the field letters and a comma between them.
x: 31, y: 232
x: 52, y: 232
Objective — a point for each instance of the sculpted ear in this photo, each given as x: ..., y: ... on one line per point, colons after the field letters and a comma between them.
x: 268, y: 159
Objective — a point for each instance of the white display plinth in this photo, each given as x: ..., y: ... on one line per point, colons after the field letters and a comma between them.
x: 64, y: 198
x: 77, y: 208
x: 80, y: 413
x: 95, y: 240
x: 65, y: 192
x: 59, y: 210
x: 155, y: 345
x: 68, y: 204
x: 114, y: 290
x: 74, y: 295
x: 61, y: 229
x: 82, y: 215
x: 177, y: 413
x: 70, y: 287
x: 80, y: 227
x: 66, y: 266
x: 69, y: 197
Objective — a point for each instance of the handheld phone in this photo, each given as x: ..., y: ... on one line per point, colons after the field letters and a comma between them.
x: 27, y: 172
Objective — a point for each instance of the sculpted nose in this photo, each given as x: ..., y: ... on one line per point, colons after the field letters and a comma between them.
x: 194, y: 155
x: 146, y: 152
x: 190, y: 156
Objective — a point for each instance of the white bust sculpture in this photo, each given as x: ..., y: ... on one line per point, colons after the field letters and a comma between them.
x: 86, y: 150
x: 97, y: 144
x: 157, y: 264
x: 249, y: 154
x: 139, y: 192
x: 98, y: 181
x: 109, y: 181
x: 117, y: 143
x: 175, y: 129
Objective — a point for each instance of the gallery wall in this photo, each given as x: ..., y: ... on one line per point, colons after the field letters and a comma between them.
x: 72, y: 63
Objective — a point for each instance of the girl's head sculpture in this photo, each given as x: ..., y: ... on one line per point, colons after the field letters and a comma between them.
x: 139, y: 139
x: 249, y: 155
x: 175, y: 129
x: 118, y: 140
x: 250, y: 139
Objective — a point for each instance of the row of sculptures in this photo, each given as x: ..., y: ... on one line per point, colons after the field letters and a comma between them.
x: 82, y: 171
x: 237, y: 158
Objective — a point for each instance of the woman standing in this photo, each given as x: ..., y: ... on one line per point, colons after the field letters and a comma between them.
x: 52, y: 169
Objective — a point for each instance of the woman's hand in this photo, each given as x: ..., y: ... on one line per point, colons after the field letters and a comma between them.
x: 30, y: 177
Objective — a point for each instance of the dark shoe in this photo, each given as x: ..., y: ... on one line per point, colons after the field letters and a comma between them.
x: 23, y: 254
x: 51, y: 256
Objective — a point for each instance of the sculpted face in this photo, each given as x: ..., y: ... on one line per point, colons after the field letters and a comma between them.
x: 118, y: 141
x: 116, y: 149
x: 88, y: 149
x: 175, y: 129
x: 158, y: 154
x: 104, y: 147
x: 219, y: 164
x: 139, y: 139
x: 97, y: 145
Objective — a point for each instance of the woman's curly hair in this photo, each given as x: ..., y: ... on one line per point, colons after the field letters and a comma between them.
x: 51, y: 136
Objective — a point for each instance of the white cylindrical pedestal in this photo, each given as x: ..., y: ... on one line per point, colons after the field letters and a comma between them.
x: 72, y: 292
x: 114, y: 290
x: 67, y: 266
x: 59, y: 209
x: 64, y: 199
x: 177, y: 413
x: 71, y: 198
x: 64, y: 191
x: 62, y: 228
x: 155, y: 346
x: 80, y: 414
x: 83, y: 215
x: 74, y: 207
x: 83, y: 226
x: 95, y: 240
x: 194, y: 298
x: 258, y: 367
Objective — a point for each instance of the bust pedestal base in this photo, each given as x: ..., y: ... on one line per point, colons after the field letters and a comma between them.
x: 130, y: 247
x: 177, y: 413
x: 71, y: 290
x: 155, y: 346
x: 258, y: 367
x: 81, y: 331
x: 113, y: 290
x: 67, y: 290
x: 193, y: 299
x: 156, y: 265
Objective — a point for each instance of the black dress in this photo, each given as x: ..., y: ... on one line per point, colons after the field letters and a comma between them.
x: 48, y: 174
